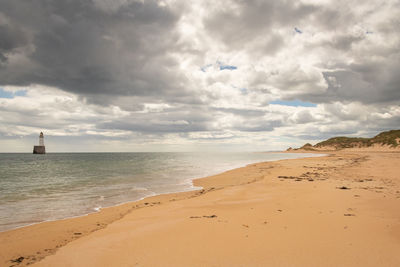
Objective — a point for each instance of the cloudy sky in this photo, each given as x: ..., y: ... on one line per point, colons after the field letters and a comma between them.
x: 234, y: 75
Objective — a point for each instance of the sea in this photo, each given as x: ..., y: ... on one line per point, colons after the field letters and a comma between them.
x: 37, y: 188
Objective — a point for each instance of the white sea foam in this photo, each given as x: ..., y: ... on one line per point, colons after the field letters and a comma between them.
x: 138, y: 188
x: 97, y: 208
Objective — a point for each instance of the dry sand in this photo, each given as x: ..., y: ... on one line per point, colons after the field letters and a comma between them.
x: 338, y: 210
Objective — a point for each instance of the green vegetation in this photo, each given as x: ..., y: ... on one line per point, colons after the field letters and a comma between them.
x: 307, y: 146
x: 345, y: 142
x: 388, y: 138
x: 385, y: 138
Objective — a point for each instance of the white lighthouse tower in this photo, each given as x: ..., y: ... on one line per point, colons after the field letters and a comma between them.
x: 40, y: 149
x: 41, y: 139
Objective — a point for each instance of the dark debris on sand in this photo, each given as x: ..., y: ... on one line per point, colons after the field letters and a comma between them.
x: 204, y: 216
x: 344, y: 188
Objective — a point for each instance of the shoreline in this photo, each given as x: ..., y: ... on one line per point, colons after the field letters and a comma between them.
x: 123, y: 208
x: 46, y: 238
x: 192, y: 187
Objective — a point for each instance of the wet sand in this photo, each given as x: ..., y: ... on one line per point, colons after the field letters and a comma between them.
x: 338, y: 210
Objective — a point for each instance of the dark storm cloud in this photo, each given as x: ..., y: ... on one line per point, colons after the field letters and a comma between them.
x: 170, y: 120
x: 243, y: 21
x: 154, y: 127
x: 370, y: 82
x: 343, y: 42
x: 241, y: 112
x: 11, y: 38
x: 89, y: 49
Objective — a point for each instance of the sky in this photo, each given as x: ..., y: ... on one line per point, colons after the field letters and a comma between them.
x: 201, y: 75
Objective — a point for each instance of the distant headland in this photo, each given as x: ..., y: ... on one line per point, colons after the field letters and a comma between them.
x: 389, y: 140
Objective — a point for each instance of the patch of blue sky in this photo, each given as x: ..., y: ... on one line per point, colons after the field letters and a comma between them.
x: 293, y: 103
x: 10, y: 95
x: 220, y: 65
x: 227, y: 67
x: 20, y: 93
x: 297, y: 30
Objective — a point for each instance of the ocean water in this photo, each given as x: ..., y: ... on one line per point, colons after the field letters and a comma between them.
x: 37, y: 188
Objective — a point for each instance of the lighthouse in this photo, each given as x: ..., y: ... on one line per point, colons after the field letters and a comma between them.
x: 40, y: 149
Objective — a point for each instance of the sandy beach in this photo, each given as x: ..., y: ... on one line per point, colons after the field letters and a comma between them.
x: 182, y: 133
x: 337, y: 210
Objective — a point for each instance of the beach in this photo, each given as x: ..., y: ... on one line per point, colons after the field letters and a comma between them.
x: 199, y: 133
x: 342, y: 209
